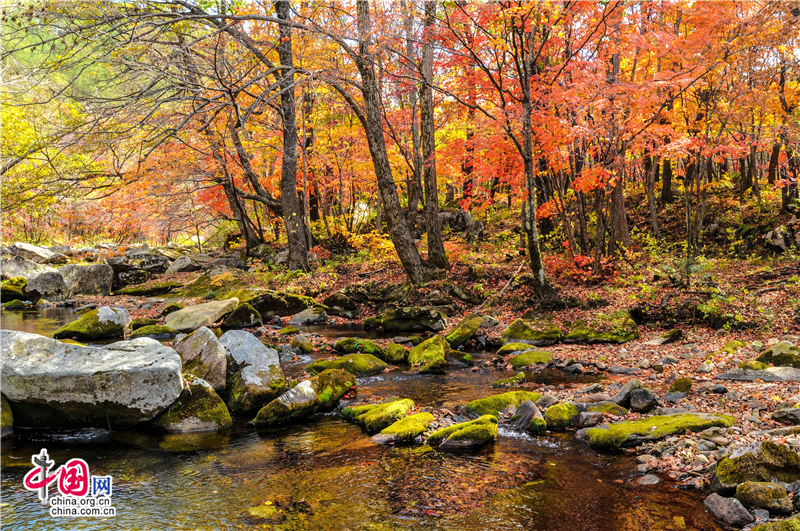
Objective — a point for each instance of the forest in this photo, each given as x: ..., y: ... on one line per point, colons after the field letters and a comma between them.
x: 398, y: 207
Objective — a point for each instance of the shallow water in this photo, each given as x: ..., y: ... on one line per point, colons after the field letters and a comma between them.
x: 326, y: 474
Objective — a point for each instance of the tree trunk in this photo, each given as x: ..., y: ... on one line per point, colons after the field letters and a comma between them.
x: 774, y: 157
x: 415, y: 183
x: 666, y: 184
x: 651, y: 170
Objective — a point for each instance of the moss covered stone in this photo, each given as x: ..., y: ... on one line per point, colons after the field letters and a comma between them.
x: 11, y: 305
x: 784, y: 354
x: 537, y: 425
x: 633, y: 433
x: 173, y: 307
x: 6, y: 418
x: 753, y: 365
x: 511, y: 348
x: 790, y: 524
x: 681, y: 385
x: 159, y: 288
x: 559, y: 417
x: 538, y: 332
x: 320, y: 393
x: 141, y: 322
x: 406, y: 429
x: 102, y: 323
x: 732, y: 346
x: 764, y: 495
x: 352, y: 345
x: 512, y: 381
x: 429, y: 356
x: 13, y: 288
x: 303, y: 344
x: 289, y: 331
x: 376, y: 417
x: 280, y: 303
x: 609, y: 408
x: 244, y: 316
x: 410, y: 319
x: 493, y: 405
x: 355, y: 364
x: 466, y: 434
x: 396, y: 353
x: 198, y: 408
x: 614, y: 327
x: 154, y: 331
x: 759, y: 461
x: 464, y: 331
x: 531, y: 357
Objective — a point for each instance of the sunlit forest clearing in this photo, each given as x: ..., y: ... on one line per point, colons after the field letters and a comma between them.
x: 413, y: 264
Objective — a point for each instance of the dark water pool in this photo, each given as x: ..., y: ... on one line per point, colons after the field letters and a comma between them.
x: 326, y: 474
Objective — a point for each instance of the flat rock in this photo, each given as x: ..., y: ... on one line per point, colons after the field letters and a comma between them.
x: 17, y: 266
x: 772, y: 374
x: 206, y: 314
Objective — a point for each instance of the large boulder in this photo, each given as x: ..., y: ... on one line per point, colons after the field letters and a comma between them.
x: 759, y: 461
x: 204, y: 356
x: 429, y: 356
x: 464, y: 331
x: 50, y: 383
x: 206, y: 314
x: 13, y: 289
x: 254, y: 375
x: 198, y: 408
x: 339, y: 300
x: 537, y: 332
x: 636, y: 432
x: 466, y: 434
x: 272, y: 303
x: 355, y: 364
x: 729, y: 511
x: 151, y: 263
x: 410, y: 319
x: 376, y: 294
x: 34, y: 253
x: 95, y: 279
x: 309, y: 316
x: 784, y: 354
x: 183, y: 264
x: 494, y: 404
x: 102, y: 323
x: 770, y: 374
x: 244, y: 316
x: 614, y: 327
x: 320, y: 393
x: 17, y: 266
x: 764, y: 495
x: 48, y: 286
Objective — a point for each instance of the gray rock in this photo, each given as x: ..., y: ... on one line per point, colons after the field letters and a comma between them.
x: 17, y: 266
x: 52, y: 384
x: 643, y: 401
x: 34, y: 253
x: 230, y: 262
x: 729, y: 511
x: 624, y: 370
x: 95, y: 279
x: 61, y: 249
x: 48, y: 286
x: 594, y: 388
x: 772, y: 374
x: 623, y: 397
x: 590, y: 418
x: 648, y: 479
x: 204, y: 356
x: 705, y: 367
x: 309, y: 316
x: 546, y: 401
x: 254, y: 375
x: 525, y: 413
x: 182, y: 264
x: 789, y: 415
x: 206, y: 314
x: 674, y: 397
x: 197, y: 409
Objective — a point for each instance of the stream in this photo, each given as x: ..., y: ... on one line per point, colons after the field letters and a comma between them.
x: 326, y: 474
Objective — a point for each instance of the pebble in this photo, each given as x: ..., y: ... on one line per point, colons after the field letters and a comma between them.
x: 648, y: 479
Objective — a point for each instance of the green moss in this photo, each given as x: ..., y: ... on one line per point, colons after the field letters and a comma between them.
x: 533, y: 332
x: 266, y: 511
x: 532, y: 357
x: 753, y: 365
x: 481, y: 429
x: 353, y: 345
x: 159, y: 288
x: 784, y: 354
x: 376, y: 417
x: 197, y: 403
x: 790, y: 524
x: 561, y: 416
x: 764, y: 495
x: 429, y: 356
x: 681, y: 385
x: 464, y: 331
x: 493, y: 405
x: 511, y: 348
x: 772, y: 462
x: 154, y: 331
x: 732, y: 346
x: 13, y: 288
x: 415, y: 340
x: 609, y: 408
x: 289, y: 331
x: 16, y: 303
x: 243, y: 316
x: 614, y: 327
x: 512, y: 381
x: 269, y: 302
x: 356, y: 364
x: 88, y: 326
x: 303, y: 344
x: 141, y: 322
x: 537, y: 426
x: 653, y: 428
x: 6, y: 416
x: 396, y: 353
x: 169, y: 308
x: 405, y: 430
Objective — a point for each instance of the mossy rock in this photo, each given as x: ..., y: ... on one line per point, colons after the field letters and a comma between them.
x: 608, y: 408
x: 681, y: 385
x: 784, y: 354
x: 464, y: 331
x: 244, y: 316
x: 408, y: 428
x: 759, y: 461
x: 635, y: 432
x: 198, y: 408
x: 376, y: 417
x: 160, y: 288
x: 173, y: 307
x: 493, y: 405
x: 466, y: 434
x: 531, y: 357
x: 13, y: 305
x: 396, y: 353
x: 429, y: 356
x: 6, y: 418
x: 13, y: 288
x: 355, y: 364
x: 89, y: 326
x: 537, y: 425
x: 614, y: 327
x: 560, y: 417
x: 320, y: 393
x: 154, y: 331
x: 217, y: 286
x: 512, y: 348
x: 510, y: 382
x: 537, y: 332
x: 764, y: 495
x: 732, y: 346
x: 753, y: 365
x: 289, y: 331
x: 141, y: 322
x: 352, y: 345
x: 303, y: 344
x: 790, y: 524
x: 280, y: 303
